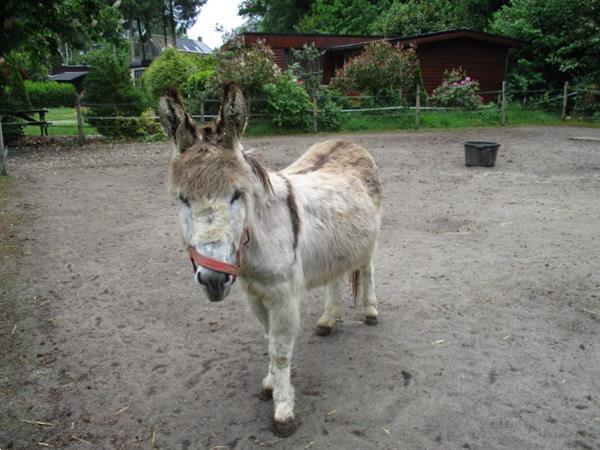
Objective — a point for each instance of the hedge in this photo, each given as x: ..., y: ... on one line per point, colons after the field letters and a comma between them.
x: 50, y: 93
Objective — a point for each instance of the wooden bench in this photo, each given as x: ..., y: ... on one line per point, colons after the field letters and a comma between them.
x: 28, y: 116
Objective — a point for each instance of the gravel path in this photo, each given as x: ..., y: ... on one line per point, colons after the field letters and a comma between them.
x: 489, y: 288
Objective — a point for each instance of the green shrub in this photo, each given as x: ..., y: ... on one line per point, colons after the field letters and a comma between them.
x: 587, y: 100
x: 148, y: 125
x: 50, y: 94
x: 198, y: 87
x: 288, y: 104
x: 329, y: 109
x: 110, y: 93
x: 382, y: 66
x: 458, y: 90
x: 251, y: 68
x: 174, y: 69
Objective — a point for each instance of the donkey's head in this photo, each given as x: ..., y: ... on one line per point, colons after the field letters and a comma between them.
x: 212, y: 180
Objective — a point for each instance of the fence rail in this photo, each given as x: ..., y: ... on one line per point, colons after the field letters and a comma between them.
x: 555, y: 99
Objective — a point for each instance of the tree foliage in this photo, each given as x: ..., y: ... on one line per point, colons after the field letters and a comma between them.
x: 276, y: 16
x: 406, y: 17
x: 174, y: 69
x: 109, y: 91
x: 340, y: 17
x: 561, y: 39
x: 380, y: 67
x: 391, y: 17
x: 39, y: 28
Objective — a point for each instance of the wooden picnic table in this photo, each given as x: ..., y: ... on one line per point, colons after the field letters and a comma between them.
x: 28, y: 115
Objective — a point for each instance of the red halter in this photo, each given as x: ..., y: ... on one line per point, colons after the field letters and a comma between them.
x: 220, y: 266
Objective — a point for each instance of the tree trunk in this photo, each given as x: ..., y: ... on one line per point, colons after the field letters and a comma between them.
x: 172, y: 23
x: 143, y: 50
x: 3, y: 152
x: 131, y: 42
x: 164, y: 25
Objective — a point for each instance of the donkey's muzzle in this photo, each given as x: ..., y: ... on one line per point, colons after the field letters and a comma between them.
x: 216, y: 284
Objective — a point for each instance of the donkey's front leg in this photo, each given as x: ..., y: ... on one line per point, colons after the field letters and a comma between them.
x: 262, y: 314
x: 284, y: 321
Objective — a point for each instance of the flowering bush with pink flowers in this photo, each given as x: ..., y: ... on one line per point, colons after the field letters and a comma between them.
x: 457, y: 89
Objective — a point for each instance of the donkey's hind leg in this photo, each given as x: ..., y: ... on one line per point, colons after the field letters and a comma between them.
x: 332, y: 308
x: 368, y: 294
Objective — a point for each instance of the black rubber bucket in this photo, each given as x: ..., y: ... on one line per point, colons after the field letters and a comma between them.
x: 481, y: 154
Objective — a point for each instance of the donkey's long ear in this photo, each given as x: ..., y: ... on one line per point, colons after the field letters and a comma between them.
x: 232, y: 117
x: 176, y: 122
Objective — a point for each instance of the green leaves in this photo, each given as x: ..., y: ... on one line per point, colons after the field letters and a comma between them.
x: 382, y: 66
x: 458, y: 90
x: 249, y: 67
x: 288, y: 103
x: 561, y: 40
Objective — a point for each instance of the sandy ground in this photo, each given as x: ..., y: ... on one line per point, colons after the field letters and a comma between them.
x: 489, y: 289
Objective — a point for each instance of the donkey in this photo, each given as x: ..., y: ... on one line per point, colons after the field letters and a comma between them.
x: 308, y: 225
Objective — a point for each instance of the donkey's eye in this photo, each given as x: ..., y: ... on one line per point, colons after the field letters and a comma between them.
x: 237, y: 194
x: 184, y: 200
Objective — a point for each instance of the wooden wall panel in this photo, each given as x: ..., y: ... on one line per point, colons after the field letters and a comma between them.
x: 483, y: 61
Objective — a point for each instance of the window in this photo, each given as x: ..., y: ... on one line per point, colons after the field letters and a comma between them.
x: 308, y: 66
x: 136, y: 76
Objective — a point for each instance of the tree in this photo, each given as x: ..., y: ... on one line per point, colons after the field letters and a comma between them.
x: 171, y: 17
x: 406, y: 17
x: 109, y: 91
x: 277, y: 16
x: 561, y: 40
x: 340, y: 16
x: 39, y: 28
x: 182, y: 14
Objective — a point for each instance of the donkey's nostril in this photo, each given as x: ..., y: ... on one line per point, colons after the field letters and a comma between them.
x: 199, y: 278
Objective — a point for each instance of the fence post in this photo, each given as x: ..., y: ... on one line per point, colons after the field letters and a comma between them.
x: 417, y: 107
x: 79, y: 121
x: 565, y: 101
x: 503, y: 105
x: 399, y: 97
x: 3, y: 151
x: 202, y: 108
x: 315, y: 128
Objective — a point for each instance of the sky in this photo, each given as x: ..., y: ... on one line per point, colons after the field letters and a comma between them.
x: 222, y: 12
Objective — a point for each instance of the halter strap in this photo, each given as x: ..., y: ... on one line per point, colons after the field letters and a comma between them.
x: 199, y: 259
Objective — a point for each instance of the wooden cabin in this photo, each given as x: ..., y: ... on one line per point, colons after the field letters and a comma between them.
x: 483, y: 56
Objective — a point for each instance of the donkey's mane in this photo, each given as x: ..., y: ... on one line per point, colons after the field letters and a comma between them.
x: 260, y: 172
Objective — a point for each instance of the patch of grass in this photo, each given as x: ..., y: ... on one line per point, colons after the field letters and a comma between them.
x: 63, y: 123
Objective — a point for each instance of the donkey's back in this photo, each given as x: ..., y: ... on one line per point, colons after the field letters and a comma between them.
x: 338, y: 191
x: 342, y: 162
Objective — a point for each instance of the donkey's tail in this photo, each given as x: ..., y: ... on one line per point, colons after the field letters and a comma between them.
x: 355, y: 285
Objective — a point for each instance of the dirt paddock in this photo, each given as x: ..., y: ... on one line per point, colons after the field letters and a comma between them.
x: 489, y: 289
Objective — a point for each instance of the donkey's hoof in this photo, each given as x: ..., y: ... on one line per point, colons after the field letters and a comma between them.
x: 371, y: 320
x: 285, y: 429
x: 265, y: 394
x: 322, y: 330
